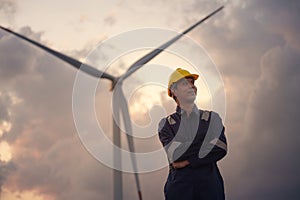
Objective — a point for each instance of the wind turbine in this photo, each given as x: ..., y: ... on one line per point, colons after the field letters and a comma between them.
x: 119, y: 102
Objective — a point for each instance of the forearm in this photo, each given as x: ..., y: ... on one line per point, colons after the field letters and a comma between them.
x: 212, y: 157
x: 214, y: 151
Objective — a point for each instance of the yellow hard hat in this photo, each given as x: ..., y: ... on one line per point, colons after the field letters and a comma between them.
x: 177, y: 75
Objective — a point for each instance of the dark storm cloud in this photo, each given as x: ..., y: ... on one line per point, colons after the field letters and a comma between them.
x: 256, y: 44
x: 273, y: 132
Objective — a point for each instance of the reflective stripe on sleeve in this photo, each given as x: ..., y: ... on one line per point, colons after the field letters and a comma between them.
x: 219, y: 143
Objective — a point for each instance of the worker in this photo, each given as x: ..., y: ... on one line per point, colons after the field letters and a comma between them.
x: 194, y: 141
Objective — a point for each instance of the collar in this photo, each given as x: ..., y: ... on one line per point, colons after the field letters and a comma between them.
x: 181, y: 111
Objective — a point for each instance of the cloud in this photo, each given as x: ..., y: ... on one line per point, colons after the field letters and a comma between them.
x: 8, y: 8
x: 282, y: 19
x: 6, y: 168
x: 5, y: 101
x: 111, y: 18
x: 43, y: 138
x: 14, y: 67
x: 272, y: 131
x: 50, y: 157
x: 256, y: 47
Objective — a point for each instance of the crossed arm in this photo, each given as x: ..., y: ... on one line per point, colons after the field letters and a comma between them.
x: 208, y: 151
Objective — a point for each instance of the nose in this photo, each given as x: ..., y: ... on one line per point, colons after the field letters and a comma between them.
x: 191, y: 83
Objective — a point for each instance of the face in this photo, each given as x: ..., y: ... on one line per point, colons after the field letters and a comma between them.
x: 185, y: 91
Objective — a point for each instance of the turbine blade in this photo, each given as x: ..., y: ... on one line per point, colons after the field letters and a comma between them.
x: 75, y: 63
x: 145, y: 59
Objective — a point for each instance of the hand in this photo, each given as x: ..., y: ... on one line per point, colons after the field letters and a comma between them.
x: 181, y: 164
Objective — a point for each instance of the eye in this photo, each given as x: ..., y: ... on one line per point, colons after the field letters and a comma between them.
x: 189, y: 81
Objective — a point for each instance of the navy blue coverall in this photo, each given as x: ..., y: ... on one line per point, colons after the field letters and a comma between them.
x: 201, y: 140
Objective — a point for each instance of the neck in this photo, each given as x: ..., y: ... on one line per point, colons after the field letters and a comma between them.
x: 188, y: 107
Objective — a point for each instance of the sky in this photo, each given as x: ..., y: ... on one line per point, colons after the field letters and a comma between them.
x: 254, y: 45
